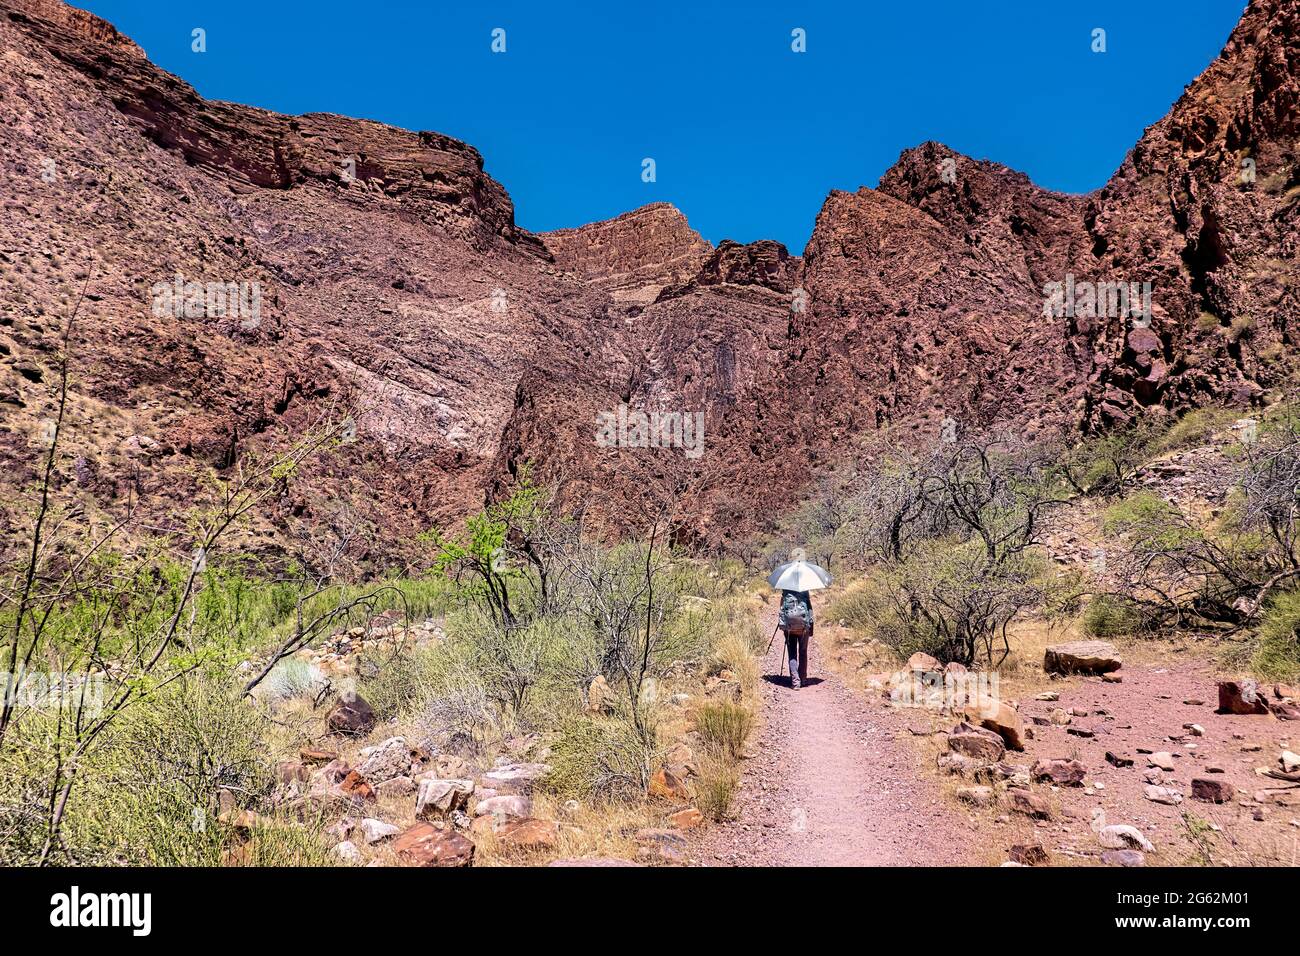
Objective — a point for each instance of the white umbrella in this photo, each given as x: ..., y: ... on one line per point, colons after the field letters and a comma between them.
x: 799, y: 576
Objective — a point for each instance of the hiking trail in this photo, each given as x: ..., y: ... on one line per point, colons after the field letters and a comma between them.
x: 829, y: 783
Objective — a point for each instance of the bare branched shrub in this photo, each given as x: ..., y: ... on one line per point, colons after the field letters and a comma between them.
x: 950, y: 535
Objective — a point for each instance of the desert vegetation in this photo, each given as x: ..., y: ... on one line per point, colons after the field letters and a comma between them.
x: 949, y: 546
x: 169, y: 694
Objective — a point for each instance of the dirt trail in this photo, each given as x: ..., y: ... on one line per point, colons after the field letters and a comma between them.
x: 830, y: 784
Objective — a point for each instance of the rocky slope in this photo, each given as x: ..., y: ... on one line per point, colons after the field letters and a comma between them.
x: 392, y: 275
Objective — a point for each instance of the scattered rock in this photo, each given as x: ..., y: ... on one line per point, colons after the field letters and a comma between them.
x: 600, y: 699
x: 1290, y: 762
x: 1242, y: 697
x: 998, y: 716
x: 593, y: 861
x: 1123, y: 858
x: 507, y: 805
x: 1212, y: 790
x: 1162, y: 759
x: 515, y: 777
x: 1065, y: 773
x: 668, y: 786
x: 1028, y: 854
x: 686, y: 819
x: 442, y: 796
x: 1120, y: 836
x: 976, y: 742
x: 1167, y: 795
x: 1116, y: 760
x: 347, y: 852
x: 661, y: 846
x: 356, y: 786
x: 977, y: 796
x: 1081, y: 657
x: 351, y: 716
x: 921, y: 663
x: 376, y: 830
x: 529, y: 834
x: 387, y: 760
x: 1030, y: 804
x: 426, y: 845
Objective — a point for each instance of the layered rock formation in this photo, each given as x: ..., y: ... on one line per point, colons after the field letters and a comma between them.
x: 393, y: 277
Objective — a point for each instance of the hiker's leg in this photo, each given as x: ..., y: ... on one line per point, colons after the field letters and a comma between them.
x: 803, y: 655
x: 792, y: 655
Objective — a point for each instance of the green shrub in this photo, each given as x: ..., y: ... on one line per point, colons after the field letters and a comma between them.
x: 1277, y: 651
x: 716, y: 786
x: 602, y: 758
x: 1195, y: 428
x: 1111, y: 616
x: 150, y: 795
x: 724, y: 726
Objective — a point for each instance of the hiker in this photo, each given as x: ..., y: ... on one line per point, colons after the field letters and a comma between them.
x: 796, y: 620
x: 794, y: 580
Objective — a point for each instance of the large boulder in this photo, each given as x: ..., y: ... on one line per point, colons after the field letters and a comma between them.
x: 426, y: 845
x: 351, y: 716
x: 1082, y: 657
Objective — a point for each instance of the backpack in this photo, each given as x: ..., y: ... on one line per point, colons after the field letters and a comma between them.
x: 795, y: 618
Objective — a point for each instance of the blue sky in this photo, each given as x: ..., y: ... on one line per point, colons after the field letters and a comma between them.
x: 748, y: 137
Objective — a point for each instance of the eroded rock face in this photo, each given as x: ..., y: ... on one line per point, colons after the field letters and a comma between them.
x: 391, y: 272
